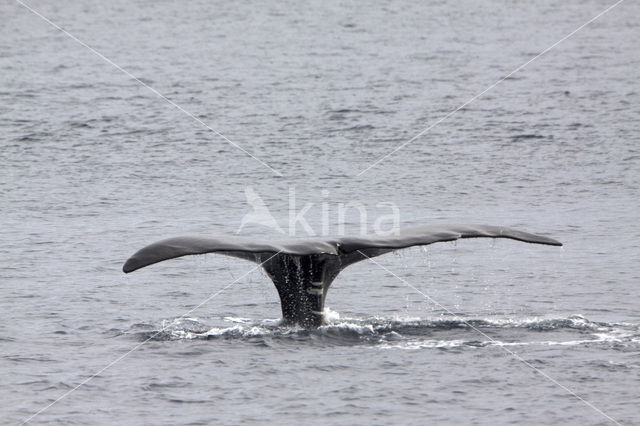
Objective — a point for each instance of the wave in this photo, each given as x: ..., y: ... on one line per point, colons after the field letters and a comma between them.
x: 402, y: 333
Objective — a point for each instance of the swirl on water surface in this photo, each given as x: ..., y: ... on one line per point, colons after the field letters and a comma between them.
x: 403, y: 333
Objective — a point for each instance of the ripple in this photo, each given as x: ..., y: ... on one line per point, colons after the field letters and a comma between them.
x: 411, y: 333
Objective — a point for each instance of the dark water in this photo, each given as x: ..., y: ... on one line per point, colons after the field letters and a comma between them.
x: 94, y: 166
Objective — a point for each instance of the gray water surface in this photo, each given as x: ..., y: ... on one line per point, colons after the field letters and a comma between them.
x: 95, y: 166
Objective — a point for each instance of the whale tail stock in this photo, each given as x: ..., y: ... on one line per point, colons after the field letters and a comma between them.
x: 303, y: 270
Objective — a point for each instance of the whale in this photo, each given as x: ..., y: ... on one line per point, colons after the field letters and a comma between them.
x: 303, y: 270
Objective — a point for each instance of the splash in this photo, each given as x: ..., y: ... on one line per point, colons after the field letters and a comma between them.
x: 406, y: 333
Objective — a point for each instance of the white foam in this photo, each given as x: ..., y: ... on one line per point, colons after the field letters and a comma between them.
x: 388, y: 333
x: 237, y: 319
x: 331, y: 316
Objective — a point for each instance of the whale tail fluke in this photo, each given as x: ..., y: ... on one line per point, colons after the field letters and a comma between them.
x: 303, y: 270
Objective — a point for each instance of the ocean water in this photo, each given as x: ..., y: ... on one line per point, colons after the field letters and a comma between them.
x: 94, y: 165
